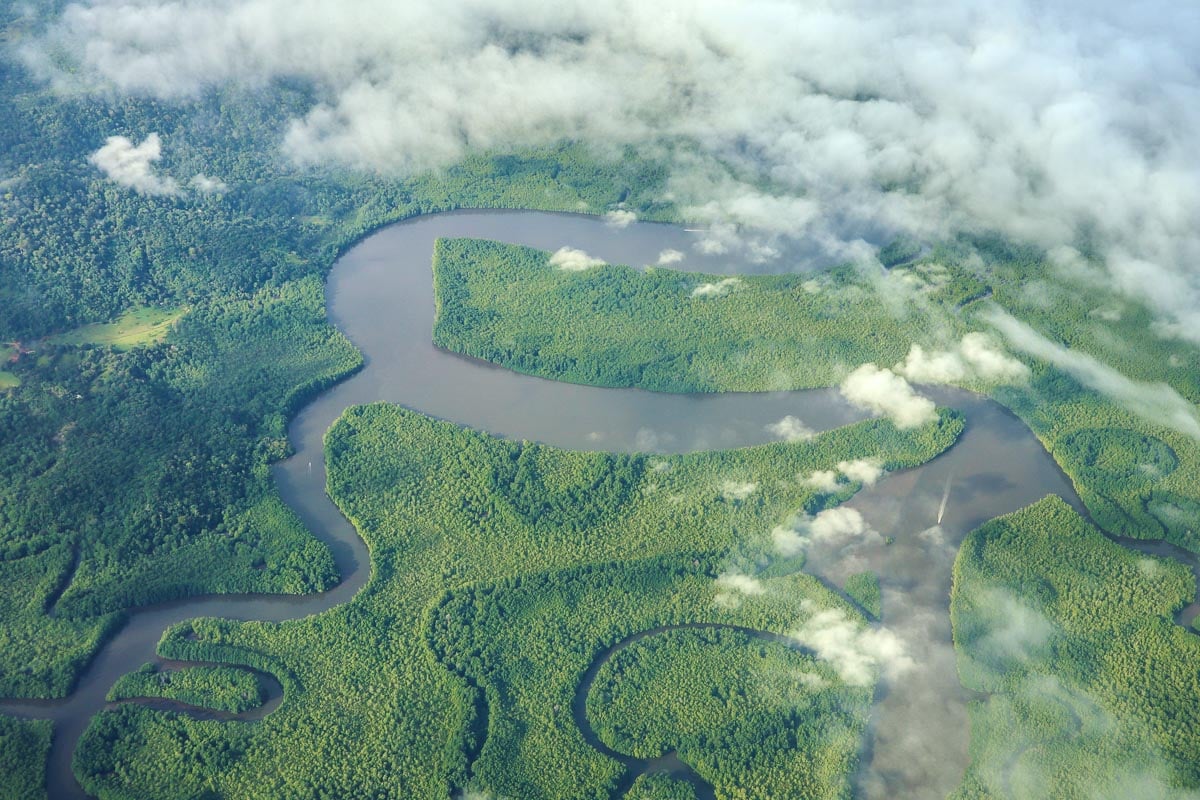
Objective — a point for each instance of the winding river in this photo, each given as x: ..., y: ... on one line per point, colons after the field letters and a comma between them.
x: 380, y: 294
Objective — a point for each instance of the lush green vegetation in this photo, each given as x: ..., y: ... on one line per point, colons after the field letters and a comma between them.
x: 140, y: 476
x: 24, y: 745
x: 863, y: 588
x: 474, y: 594
x: 660, y: 786
x: 1137, y: 472
x: 217, y: 687
x: 7, y: 379
x: 1093, y: 690
x: 136, y: 474
x: 756, y: 718
x: 618, y: 326
x: 41, y: 653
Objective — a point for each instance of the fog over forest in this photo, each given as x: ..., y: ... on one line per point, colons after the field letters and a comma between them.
x: 1070, y: 125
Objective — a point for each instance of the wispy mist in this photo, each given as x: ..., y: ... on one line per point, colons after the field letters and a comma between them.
x: 1062, y: 124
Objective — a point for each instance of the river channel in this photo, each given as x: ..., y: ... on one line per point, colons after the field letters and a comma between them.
x: 380, y: 295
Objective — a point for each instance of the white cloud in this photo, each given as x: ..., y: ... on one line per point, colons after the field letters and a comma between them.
x: 668, y: 257
x: 1043, y: 121
x: 788, y: 541
x: 733, y: 585
x: 824, y: 480
x: 858, y: 653
x: 620, y: 218
x: 569, y: 259
x: 132, y: 166
x: 1155, y: 402
x: 883, y: 392
x: 989, y: 361
x: 863, y: 470
x: 939, y: 366
x: 1015, y: 631
x: 739, y: 582
x: 206, y: 185
x: 791, y: 429
x: 718, y: 289
x: 834, y: 527
x: 977, y: 357
x: 736, y: 490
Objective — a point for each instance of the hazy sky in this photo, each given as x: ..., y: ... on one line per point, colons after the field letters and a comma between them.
x: 1039, y: 120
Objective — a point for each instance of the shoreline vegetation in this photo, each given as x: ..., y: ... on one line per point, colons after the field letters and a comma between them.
x: 487, y: 554
x: 618, y: 326
x: 133, y: 475
x: 217, y: 687
x: 1136, y: 473
x: 250, y: 358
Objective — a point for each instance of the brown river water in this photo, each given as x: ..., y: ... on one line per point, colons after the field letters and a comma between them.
x: 380, y: 295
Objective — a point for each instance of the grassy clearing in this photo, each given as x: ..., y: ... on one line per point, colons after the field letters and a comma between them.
x: 134, y: 328
x: 7, y: 379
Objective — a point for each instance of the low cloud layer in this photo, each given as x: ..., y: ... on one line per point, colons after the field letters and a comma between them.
x: 717, y: 289
x: 669, y: 256
x: 568, y: 259
x: 1063, y: 123
x: 858, y: 653
x: 620, y: 218
x: 791, y: 429
x: 887, y: 394
x: 207, y: 185
x: 862, y: 470
x: 132, y: 166
x: 1155, y: 402
x: 835, y: 528
x: 732, y: 586
x: 976, y: 357
x: 737, y: 490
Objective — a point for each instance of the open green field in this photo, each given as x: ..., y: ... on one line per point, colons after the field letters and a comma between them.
x: 1091, y: 688
x: 499, y: 571
x: 7, y: 379
x: 136, y: 327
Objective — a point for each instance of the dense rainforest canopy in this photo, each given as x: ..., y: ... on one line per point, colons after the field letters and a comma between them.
x: 155, y: 344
